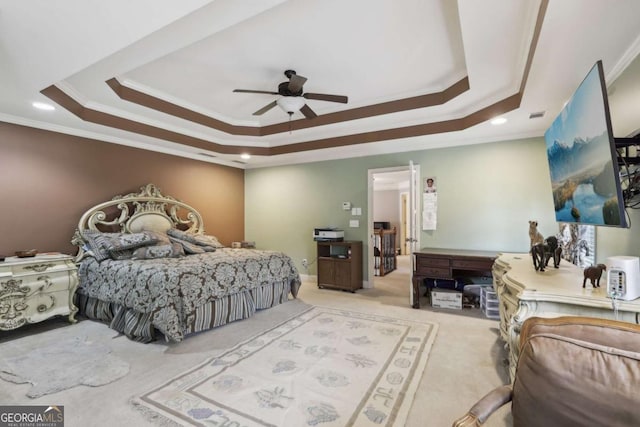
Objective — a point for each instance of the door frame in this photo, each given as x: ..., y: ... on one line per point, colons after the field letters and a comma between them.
x: 370, y: 197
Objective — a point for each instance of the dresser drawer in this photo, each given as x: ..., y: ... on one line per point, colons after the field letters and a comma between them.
x: 443, y: 273
x: 431, y: 262
x: 26, y: 308
x: 37, y: 283
x: 472, y: 264
x: 508, y: 307
x: 47, y: 267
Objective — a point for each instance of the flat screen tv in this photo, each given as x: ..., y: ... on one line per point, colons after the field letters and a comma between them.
x: 583, y: 158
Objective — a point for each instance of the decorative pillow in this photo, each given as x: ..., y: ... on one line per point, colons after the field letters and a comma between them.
x: 170, y: 250
x: 198, y: 239
x: 182, y: 235
x: 207, y: 240
x: 161, y: 237
x: 94, y: 244
x: 116, y: 245
x: 189, y: 248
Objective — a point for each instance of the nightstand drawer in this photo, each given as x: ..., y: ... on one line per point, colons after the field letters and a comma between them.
x: 53, y: 282
x: 32, y: 284
x: 38, y: 264
x: 40, y: 267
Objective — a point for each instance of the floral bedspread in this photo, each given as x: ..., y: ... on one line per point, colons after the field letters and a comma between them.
x: 170, y: 288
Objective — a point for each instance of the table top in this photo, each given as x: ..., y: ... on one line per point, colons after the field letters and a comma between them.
x: 563, y: 284
x: 48, y: 256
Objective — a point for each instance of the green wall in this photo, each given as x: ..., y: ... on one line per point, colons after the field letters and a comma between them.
x: 486, y: 194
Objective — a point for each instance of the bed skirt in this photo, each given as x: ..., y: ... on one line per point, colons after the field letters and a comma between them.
x: 138, y: 326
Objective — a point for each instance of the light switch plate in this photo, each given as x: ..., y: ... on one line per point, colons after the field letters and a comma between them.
x: 353, y: 223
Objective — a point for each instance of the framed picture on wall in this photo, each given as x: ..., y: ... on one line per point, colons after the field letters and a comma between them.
x: 430, y: 184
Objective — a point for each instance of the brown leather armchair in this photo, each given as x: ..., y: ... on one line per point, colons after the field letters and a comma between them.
x: 572, y: 371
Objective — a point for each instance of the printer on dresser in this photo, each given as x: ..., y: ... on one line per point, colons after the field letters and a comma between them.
x: 33, y: 289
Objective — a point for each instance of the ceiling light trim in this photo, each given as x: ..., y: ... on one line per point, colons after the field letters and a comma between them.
x: 503, y: 106
x: 421, y: 101
x: 87, y: 114
x: 167, y: 107
x: 500, y: 107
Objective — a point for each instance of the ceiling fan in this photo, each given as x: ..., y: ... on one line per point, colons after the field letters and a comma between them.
x: 292, y: 97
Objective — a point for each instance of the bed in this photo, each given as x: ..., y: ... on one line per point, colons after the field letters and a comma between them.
x: 147, y: 268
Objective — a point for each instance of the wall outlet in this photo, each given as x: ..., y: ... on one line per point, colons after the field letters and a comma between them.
x: 305, y: 263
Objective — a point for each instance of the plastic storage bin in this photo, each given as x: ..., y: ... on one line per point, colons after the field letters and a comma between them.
x: 489, y: 303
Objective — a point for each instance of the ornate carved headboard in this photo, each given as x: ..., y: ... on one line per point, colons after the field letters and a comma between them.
x: 148, y: 209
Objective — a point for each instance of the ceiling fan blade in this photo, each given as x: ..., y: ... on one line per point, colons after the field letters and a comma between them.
x: 265, y: 108
x: 295, y: 83
x: 308, y: 112
x: 255, y: 91
x: 326, y: 97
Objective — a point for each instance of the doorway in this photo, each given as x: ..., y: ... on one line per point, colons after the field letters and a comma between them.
x: 389, y: 201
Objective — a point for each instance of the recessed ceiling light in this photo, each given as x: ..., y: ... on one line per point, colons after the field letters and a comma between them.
x: 43, y: 106
x: 245, y: 156
x: 498, y: 121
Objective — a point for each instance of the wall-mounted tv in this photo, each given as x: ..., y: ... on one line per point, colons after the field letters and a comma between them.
x: 583, y: 158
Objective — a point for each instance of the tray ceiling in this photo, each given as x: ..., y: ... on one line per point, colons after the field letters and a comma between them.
x: 159, y: 74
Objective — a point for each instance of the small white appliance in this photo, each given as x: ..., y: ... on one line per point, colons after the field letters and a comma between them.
x: 623, y: 277
x: 328, y: 235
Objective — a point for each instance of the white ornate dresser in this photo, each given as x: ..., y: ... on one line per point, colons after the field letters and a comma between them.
x: 36, y: 288
x: 524, y: 292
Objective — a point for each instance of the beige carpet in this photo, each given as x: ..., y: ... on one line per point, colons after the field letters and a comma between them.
x: 466, y: 359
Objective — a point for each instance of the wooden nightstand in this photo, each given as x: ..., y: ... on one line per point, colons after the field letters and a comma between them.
x: 36, y: 288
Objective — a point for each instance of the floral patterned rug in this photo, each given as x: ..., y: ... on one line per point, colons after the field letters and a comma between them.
x: 324, y: 367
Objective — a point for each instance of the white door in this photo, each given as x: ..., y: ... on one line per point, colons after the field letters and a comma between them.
x: 412, y: 234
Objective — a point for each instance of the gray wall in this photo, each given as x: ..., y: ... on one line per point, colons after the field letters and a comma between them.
x: 486, y: 195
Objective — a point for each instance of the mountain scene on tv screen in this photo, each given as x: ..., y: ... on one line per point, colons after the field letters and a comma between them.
x: 583, y: 181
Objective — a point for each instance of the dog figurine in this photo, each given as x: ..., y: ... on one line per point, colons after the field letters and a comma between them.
x: 544, y: 251
x: 594, y: 273
x: 535, y: 236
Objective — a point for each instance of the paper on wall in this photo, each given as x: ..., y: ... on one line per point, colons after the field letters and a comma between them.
x: 429, y: 211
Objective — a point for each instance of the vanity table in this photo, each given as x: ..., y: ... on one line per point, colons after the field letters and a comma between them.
x: 523, y: 293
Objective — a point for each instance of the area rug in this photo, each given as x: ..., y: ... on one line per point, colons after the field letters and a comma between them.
x: 63, y: 364
x: 324, y: 367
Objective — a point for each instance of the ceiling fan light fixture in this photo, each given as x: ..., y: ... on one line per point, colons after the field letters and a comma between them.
x: 291, y: 104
